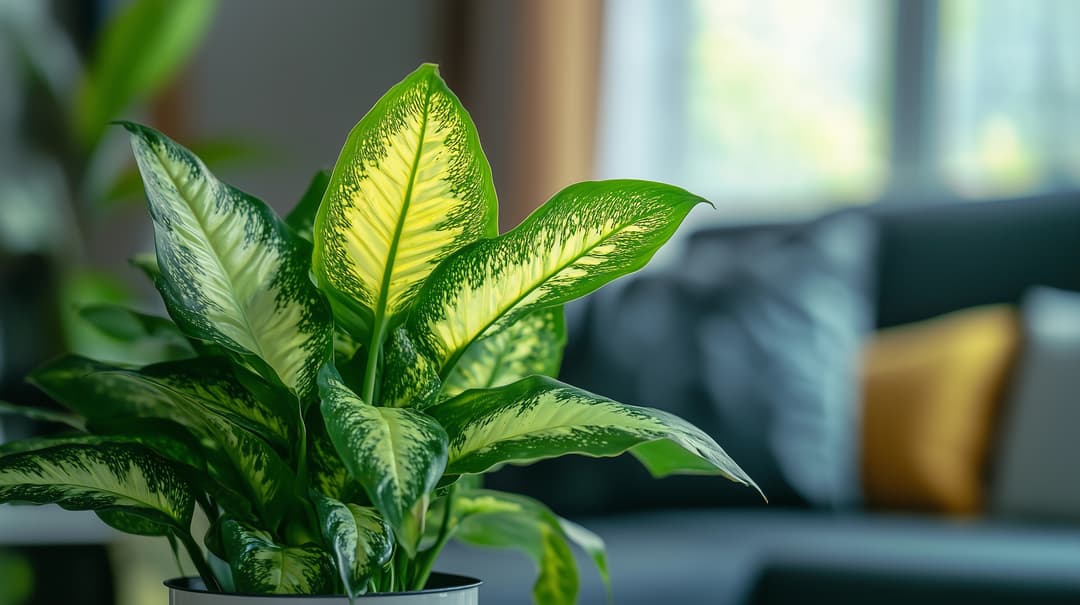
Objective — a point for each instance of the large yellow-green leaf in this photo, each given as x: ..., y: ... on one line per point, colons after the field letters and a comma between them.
x: 585, y: 236
x: 261, y: 566
x: 232, y: 273
x: 238, y: 458
x: 102, y: 476
x: 530, y: 345
x: 411, y: 186
x: 539, y: 417
x: 397, y: 454
x: 361, y: 541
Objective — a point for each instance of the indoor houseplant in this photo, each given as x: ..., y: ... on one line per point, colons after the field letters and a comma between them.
x: 330, y: 387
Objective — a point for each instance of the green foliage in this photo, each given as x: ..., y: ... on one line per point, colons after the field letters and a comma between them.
x: 329, y: 387
x: 139, y: 51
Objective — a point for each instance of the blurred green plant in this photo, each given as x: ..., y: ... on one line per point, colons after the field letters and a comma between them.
x: 16, y: 578
x: 64, y: 180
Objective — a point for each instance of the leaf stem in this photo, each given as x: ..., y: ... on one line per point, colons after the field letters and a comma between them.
x: 301, y: 455
x: 372, y: 366
x: 196, y: 555
x: 430, y: 555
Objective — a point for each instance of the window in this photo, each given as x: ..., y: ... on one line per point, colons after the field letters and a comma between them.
x: 782, y: 106
x: 1009, y: 96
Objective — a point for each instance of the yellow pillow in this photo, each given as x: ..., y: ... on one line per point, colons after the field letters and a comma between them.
x: 931, y: 397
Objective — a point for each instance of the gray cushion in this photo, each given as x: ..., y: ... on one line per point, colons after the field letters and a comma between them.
x: 1036, y: 464
x: 754, y: 335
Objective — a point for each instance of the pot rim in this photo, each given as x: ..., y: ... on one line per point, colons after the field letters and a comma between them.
x: 454, y: 583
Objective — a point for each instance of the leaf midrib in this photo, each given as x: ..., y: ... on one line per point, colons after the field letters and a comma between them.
x: 399, y: 228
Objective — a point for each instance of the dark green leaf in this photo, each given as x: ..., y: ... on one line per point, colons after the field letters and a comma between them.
x: 302, y: 217
x: 43, y: 415
x: 152, y: 338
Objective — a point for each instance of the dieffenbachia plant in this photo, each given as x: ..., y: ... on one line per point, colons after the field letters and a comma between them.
x: 331, y: 386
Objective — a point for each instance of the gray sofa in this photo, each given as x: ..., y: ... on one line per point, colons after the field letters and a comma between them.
x: 692, y: 541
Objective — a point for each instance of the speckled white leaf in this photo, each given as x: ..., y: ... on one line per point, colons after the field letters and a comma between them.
x: 231, y: 272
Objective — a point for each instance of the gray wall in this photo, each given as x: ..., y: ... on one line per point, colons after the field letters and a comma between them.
x: 299, y: 75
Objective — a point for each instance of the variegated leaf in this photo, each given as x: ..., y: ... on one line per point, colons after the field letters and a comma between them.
x: 497, y: 519
x: 587, y: 235
x: 118, y: 476
x: 130, y: 523
x: 539, y: 417
x: 411, y: 186
x: 530, y: 345
x: 177, y: 449
x: 410, y: 379
x: 190, y: 386
x: 231, y: 272
x: 302, y: 217
x: 238, y: 458
x: 397, y: 454
x: 261, y: 566
x: 328, y: 475
x: 361, y: 541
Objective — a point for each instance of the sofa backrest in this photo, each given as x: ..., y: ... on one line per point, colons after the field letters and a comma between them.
x: 937, y: 258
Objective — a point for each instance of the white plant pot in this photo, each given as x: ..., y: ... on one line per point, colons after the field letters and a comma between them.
x: 444, y: 589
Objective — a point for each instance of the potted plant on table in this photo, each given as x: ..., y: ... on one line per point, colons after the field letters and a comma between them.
x: 336, y: 383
